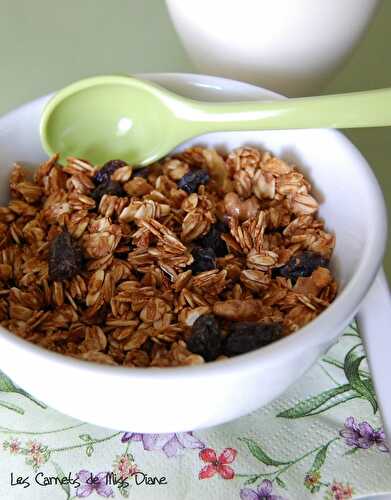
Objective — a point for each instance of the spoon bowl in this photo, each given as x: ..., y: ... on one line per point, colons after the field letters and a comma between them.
x: 109, y: 117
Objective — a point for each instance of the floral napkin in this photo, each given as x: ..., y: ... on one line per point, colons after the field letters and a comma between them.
x: 322, y: 439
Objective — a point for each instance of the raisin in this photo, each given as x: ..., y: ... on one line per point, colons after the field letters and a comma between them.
x: 204, y: 260
x: 121, y: 255
x: 275, y: 230
x: 65, y: 257
x: 104, y: 173
x: 193, y: 179
x: 246, y: 336
x: 205, y: 339
x: 213, y: 240
x: 301, y: 265
x: 142, y: 172
x: 110, y: 187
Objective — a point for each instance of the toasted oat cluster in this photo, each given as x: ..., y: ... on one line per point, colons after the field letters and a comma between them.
x: 198, y: 257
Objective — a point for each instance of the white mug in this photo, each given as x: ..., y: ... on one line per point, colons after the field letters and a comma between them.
x: 290, y: 46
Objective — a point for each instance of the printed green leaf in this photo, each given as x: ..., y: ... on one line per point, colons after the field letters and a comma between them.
x: 361, y: 386
x: 332, y: 404
x: 306, y: 407
x: 319, y: 459
x: 6, y: 385
x: 338, y: 364
x: 89, y: 450
x: 368, y: 382
x: 259, y: 454
x: 353, y: 326
x: 251, y: 480
x: 12, y: 407
x: 351, y: 363
x: 46, y: 455
x: 124, y: 492
x: 280, y: 482
x: 369, y: 385
x: 85, y: 437
x: 60, y: 475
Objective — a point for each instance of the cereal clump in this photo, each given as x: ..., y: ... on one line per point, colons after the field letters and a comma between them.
x: 195, y: 258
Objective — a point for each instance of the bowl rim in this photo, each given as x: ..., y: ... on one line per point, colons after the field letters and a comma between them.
x: 323, y: 328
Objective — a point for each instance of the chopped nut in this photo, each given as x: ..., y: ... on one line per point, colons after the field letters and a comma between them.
x: 238, y: 310
x: 232, y: 204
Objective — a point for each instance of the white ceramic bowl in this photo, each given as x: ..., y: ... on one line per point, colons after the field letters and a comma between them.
x: 179, y: 399
x: 291, y: 46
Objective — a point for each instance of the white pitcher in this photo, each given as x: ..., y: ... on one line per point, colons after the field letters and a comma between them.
x: 291, y: 46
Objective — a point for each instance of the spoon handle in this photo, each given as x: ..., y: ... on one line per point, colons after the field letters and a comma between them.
x: 357, y: 109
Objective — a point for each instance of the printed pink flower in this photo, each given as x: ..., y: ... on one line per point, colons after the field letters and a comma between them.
x: 125, y: 466
x: 33, y: 447
x: 339, y: 491
x: 90, y: 483
x: 219, y: 465
x: 14, y: 446
x: 37, y: 454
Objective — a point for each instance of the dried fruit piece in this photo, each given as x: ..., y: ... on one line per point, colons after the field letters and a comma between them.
x: 142, y: 172
x: 205, y: 339
x: 193, y: 179
x: 213, y: 240
x: 104, y: 174
x: 65, y: 257
x: 204, y: 260
x: 247, y: 336
x: 109, y: 187
x: 301, y: 265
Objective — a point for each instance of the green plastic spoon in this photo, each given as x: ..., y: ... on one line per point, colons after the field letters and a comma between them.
x: 107, y: 117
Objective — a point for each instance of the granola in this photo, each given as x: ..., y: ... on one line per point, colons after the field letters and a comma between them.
x: 189, y: 260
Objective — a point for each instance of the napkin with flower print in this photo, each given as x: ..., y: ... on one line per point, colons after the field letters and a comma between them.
x: 323, y: 439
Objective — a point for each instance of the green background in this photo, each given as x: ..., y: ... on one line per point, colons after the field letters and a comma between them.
x: 45, y: 44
